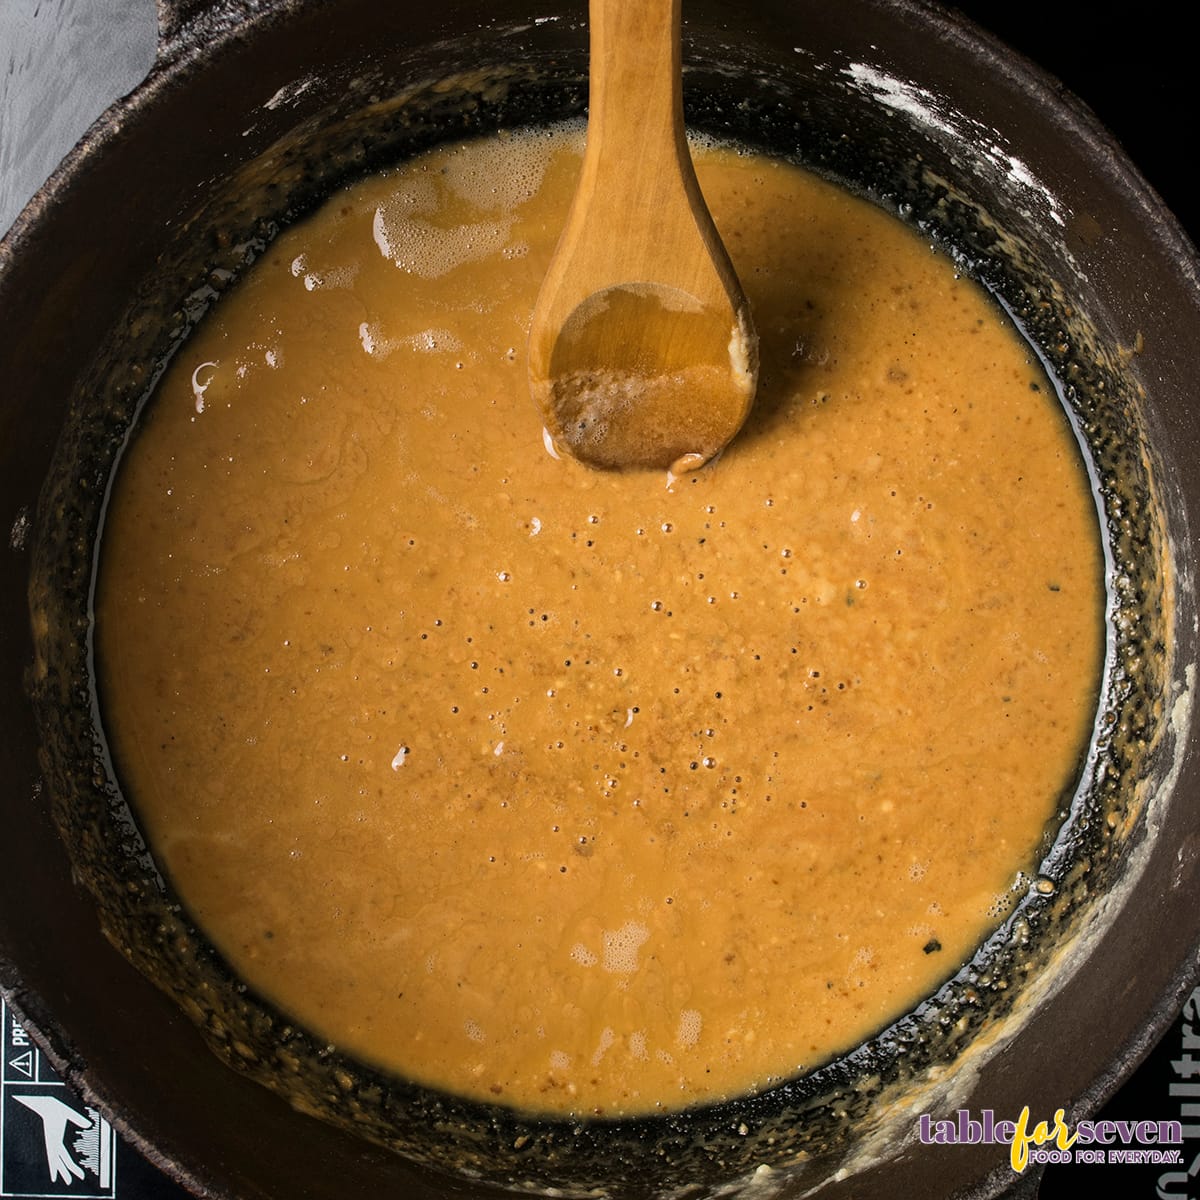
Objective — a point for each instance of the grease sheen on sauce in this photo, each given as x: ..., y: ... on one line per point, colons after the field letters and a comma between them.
x: 586, y: 791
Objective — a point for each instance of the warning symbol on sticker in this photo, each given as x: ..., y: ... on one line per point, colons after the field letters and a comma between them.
x: 23, y: 1064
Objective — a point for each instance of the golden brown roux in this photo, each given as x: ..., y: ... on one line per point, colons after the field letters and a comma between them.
x: 580, y: 790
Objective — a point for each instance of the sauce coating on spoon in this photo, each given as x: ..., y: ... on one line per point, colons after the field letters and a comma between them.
x: 651, y: 401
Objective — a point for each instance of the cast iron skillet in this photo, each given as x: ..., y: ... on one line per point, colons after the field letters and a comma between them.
x: 251, y: 114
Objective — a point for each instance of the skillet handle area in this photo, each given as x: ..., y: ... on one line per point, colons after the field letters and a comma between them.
x: 185, y: 26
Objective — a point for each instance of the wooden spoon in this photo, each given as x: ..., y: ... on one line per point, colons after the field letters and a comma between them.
x: 641, y: 350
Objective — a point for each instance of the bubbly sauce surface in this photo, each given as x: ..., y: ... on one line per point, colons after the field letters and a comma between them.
x: 585, y: 791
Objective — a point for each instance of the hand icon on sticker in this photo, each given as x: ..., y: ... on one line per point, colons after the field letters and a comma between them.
x: 56, y: 1116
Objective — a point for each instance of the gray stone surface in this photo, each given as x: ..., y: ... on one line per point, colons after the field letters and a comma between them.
x: 62, y: 62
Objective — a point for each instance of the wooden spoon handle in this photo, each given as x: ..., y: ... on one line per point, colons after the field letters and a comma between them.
x: 637, y: 188
x: 635, y: 97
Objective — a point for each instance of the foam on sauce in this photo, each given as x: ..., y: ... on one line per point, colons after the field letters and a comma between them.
x: 585, y: 791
